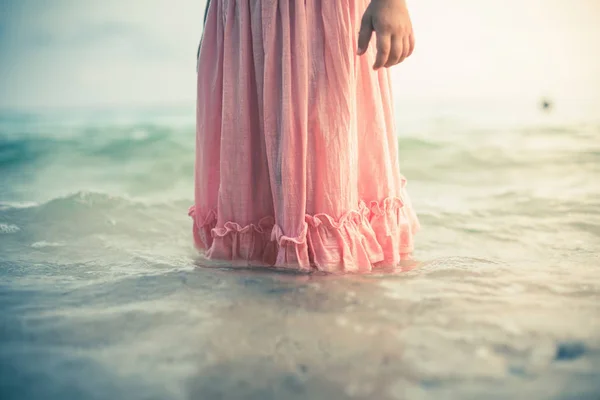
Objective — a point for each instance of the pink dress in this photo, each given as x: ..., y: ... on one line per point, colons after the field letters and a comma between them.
x: 296, y: 149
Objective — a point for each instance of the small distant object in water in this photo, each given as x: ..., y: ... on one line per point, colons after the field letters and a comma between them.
x: 546, y: 104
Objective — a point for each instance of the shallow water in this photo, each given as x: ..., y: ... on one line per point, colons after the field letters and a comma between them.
x: 101, y: 297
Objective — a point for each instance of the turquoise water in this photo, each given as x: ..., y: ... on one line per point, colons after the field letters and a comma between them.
x: 101, y: 297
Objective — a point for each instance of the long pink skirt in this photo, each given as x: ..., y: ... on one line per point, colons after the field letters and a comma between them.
x: 296, y: 149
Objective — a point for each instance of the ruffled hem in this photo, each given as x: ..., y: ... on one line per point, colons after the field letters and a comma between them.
x: 375, y: 235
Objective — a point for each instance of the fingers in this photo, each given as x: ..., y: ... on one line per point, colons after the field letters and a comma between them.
x: 406, y: 48
x: 364, y: 36
x: 400, y: 48
x: 391, y: 49
x: 411, y: 41
x: 384, y: 43
x: 396, y: 52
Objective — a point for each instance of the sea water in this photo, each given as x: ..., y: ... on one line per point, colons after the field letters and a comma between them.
x: 101, y: 296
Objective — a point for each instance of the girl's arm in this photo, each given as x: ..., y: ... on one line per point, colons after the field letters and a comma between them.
x: 393, y: 29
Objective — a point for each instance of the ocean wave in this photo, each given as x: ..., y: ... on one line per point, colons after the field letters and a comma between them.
x: 44, y: 244
x: 96, y: 143
x: 142, y: 142
x: 413, y: 143
x: 86, y: 212
x: 8, y: 228
x: 85, y: 199
x: 14, y: 152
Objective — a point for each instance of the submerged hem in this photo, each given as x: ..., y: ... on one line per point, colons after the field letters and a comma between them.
x: 374, y: 235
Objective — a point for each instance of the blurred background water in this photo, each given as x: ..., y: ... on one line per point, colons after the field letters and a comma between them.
x: 101, y: 298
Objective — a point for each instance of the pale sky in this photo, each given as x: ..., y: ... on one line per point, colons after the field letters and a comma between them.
x: 64, y: 53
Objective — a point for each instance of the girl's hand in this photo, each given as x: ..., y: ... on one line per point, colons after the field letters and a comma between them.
x: 391, y: 23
